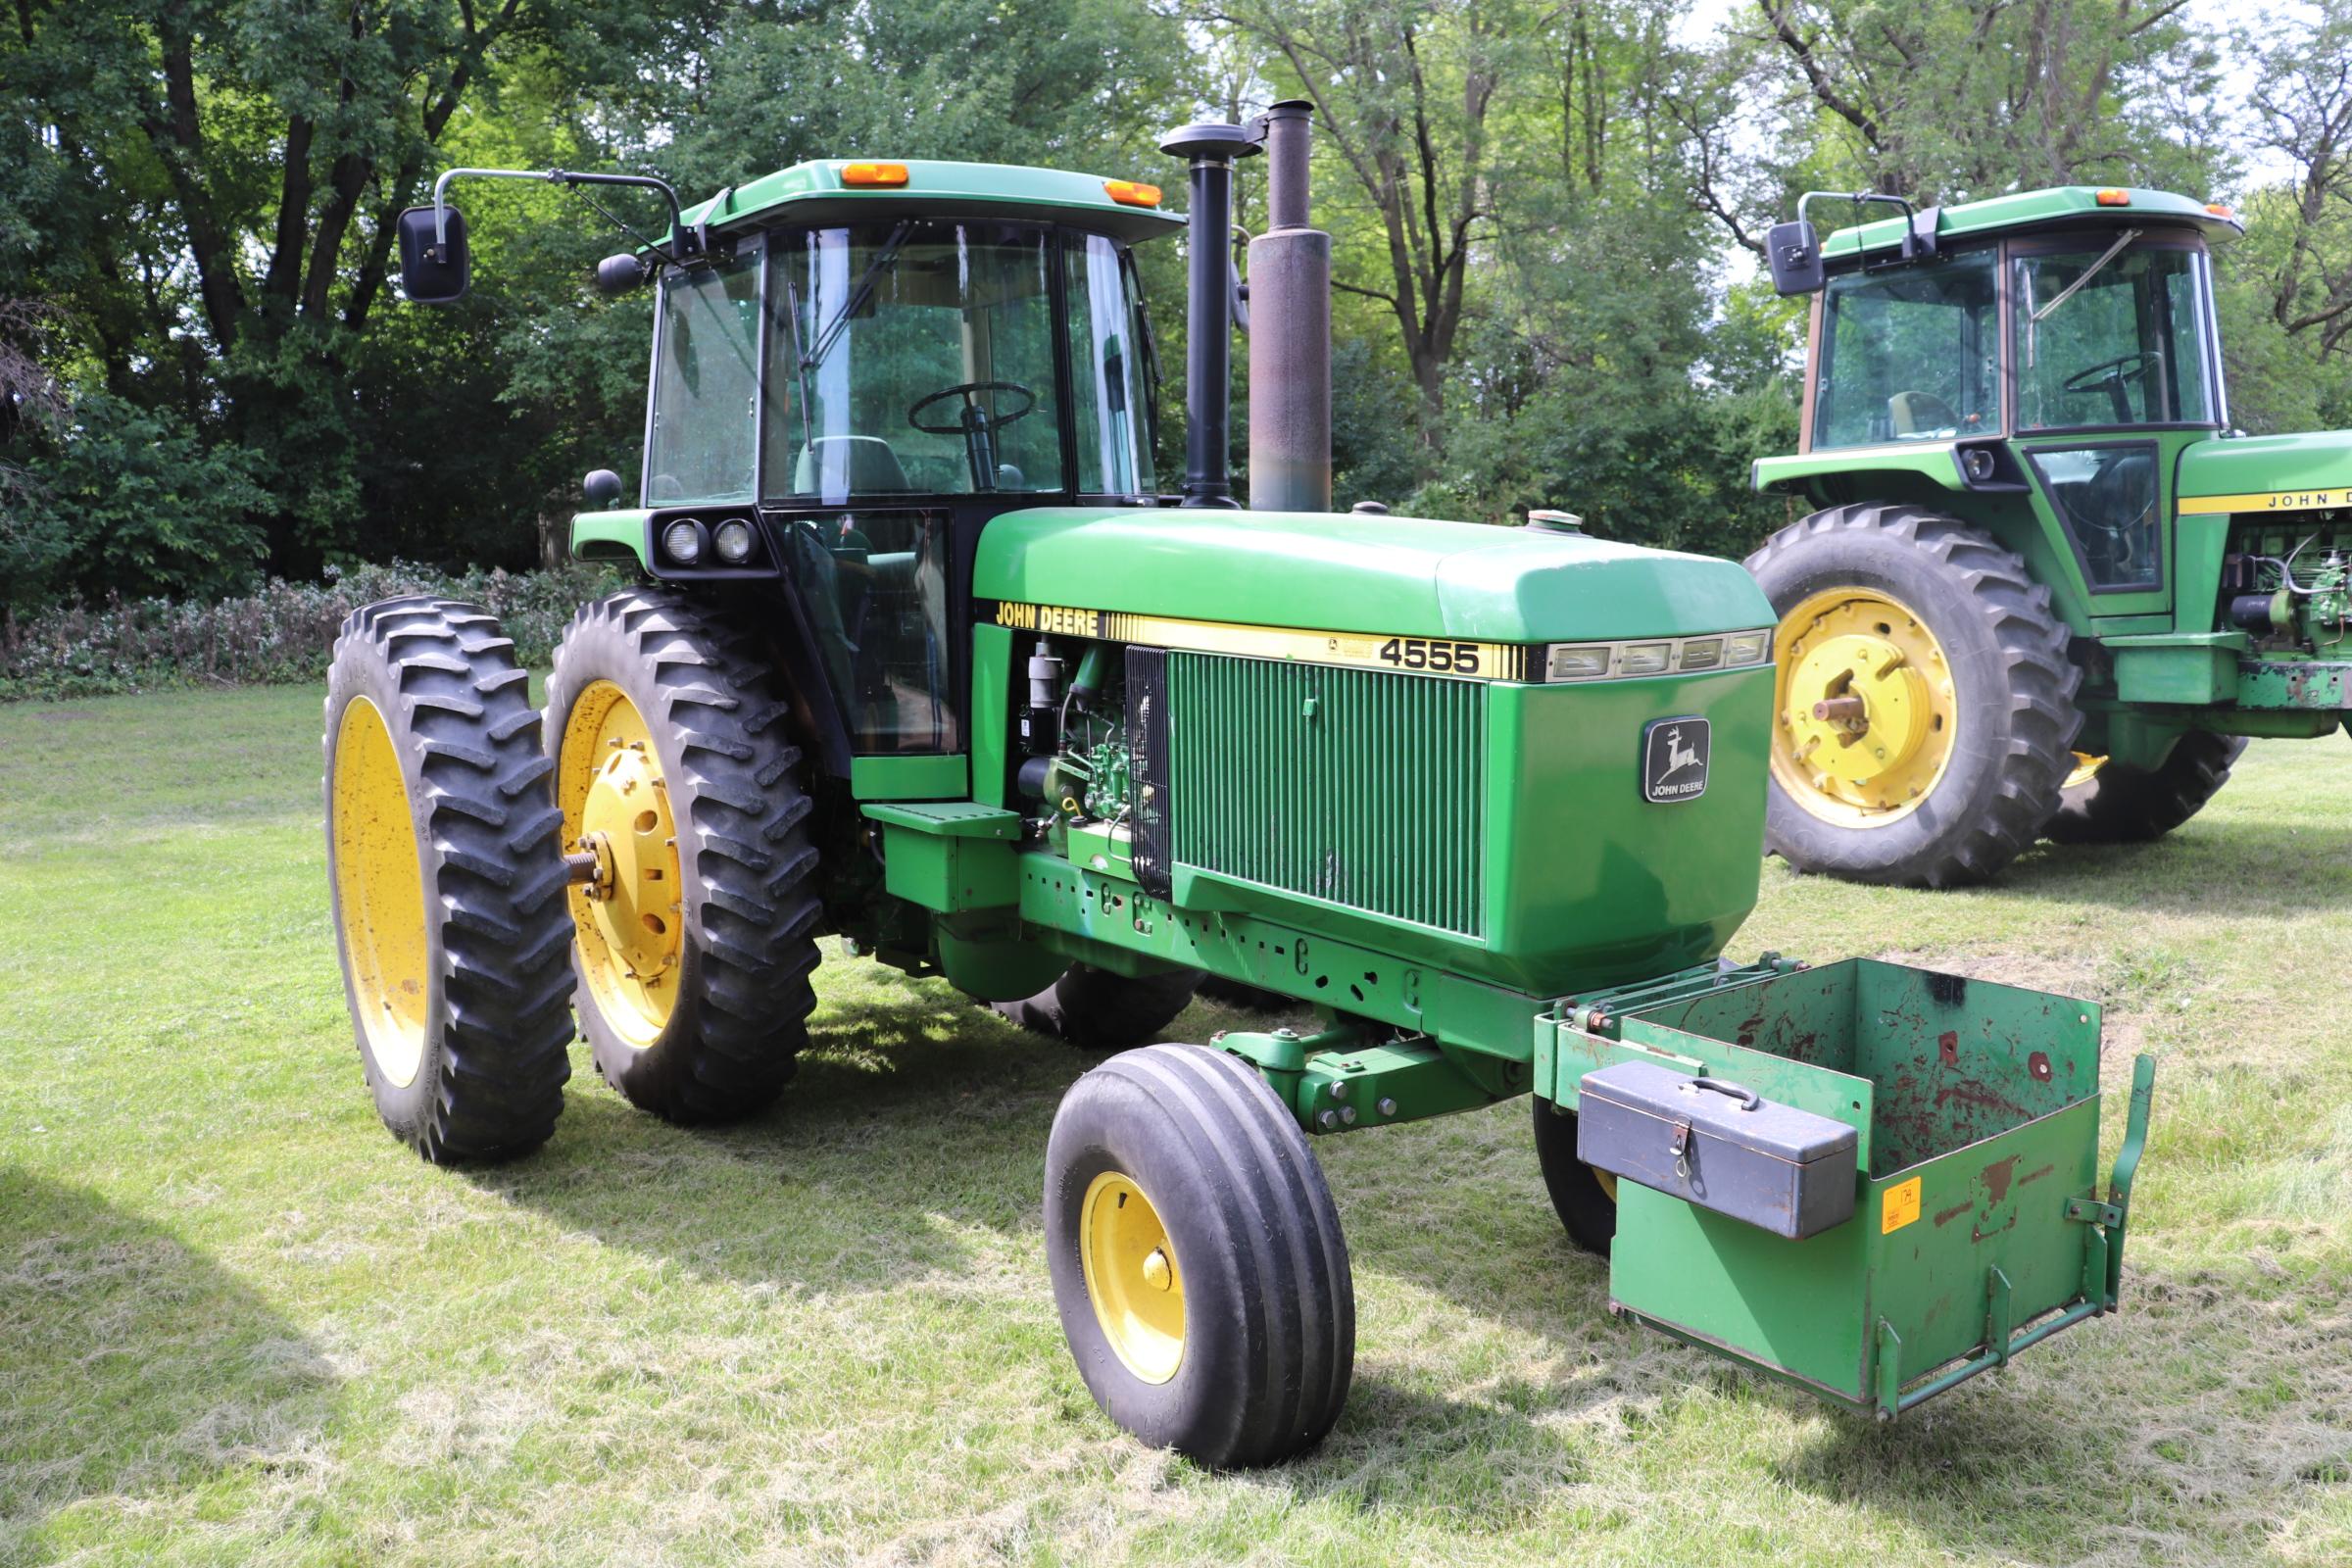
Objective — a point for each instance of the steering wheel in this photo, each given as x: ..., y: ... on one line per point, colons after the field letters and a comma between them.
x: 974, y: 424
x: 2110, y: 377
x: 973, y: 412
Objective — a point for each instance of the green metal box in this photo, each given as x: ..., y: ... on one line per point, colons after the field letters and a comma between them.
x: 1978, y: 1228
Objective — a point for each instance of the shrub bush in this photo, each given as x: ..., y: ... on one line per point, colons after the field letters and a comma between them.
x: 282, y: 633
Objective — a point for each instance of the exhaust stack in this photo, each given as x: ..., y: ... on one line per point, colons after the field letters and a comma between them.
x: 1289, y: 329
x: 1210, y: 146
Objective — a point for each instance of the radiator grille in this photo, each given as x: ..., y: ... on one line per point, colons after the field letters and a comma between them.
x: 1354, y: 786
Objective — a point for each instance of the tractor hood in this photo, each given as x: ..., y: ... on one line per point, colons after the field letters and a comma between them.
x: 2267, y: 473
x: 1358, y: 572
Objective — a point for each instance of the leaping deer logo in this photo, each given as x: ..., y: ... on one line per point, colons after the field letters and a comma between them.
x: 1677, y: 756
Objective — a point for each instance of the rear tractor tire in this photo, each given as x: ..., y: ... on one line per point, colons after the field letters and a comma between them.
x: 693, y: 937
x: 1923, y: 704
x: 1096, y: 1009
x: 448, y: 880
x: 1198, y: 1264
x: 2113, y: 803
x: 1585, y: 1198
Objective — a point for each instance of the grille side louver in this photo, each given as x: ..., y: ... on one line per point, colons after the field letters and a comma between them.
x: 1358, y: 786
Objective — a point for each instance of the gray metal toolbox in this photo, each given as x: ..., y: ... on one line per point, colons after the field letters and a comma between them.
x: 1719, y: 1146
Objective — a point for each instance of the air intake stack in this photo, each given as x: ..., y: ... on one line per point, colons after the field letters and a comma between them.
x: 1289, y: 329
x: 1210, y: 147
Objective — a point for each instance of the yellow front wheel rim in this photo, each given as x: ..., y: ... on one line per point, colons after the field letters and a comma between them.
x: 379, y: 893
x: 1132, y: 1276
x: 2086, y: 767
x: 1866, y: 713
x: 629, y: 916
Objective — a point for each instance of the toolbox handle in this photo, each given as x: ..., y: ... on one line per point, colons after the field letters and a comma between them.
x: 1723, y: 1086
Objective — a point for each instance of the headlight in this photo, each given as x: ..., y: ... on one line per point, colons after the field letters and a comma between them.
x: 1645, y: 658
x: 1686, y: 655
x: 682, y: 541
x: 733, y: 541
x: 1570, y: 662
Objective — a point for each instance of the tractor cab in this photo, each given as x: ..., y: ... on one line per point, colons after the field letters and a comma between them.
x: 871, y: 362
x: 2077, y: 326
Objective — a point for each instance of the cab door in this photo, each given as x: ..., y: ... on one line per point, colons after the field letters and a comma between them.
x: 2112, y: 373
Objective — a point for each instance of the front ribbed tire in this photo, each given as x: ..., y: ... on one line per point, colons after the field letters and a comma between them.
x: 2014, y: 695
x: 447, y: 880
x: 2124, y: 804
x: 1252, y: 1238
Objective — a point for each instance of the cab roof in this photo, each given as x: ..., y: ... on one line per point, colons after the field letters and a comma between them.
x: 815, y: 193
x: 2061, y: 207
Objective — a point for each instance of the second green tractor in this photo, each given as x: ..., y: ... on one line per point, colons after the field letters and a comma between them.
x: 2043, y: 587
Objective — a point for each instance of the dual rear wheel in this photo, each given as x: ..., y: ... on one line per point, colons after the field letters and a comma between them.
x: 636, y: 856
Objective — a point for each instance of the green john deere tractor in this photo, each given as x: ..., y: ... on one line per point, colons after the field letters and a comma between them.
x: 2046, y: 590
x: 919, y: 655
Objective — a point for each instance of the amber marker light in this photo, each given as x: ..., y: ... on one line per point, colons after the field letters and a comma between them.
x: 873, y: 173
x: 2112, y: 197
x: 1131, y: 193
x: 2219, y: 210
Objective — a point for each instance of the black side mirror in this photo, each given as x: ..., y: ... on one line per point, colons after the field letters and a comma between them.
x: 1794, y: 254
x: 603, y: 487
x: 617, y: 274
x: 433, y: 270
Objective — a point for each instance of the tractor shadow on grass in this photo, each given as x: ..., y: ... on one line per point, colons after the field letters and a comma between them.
x: 133, y: 1367
x: 915, y: 1119
x: 2125, y: 1440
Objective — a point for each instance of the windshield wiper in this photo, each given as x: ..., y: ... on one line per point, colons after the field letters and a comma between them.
x: 858, y: 294
x: 2075, y: 287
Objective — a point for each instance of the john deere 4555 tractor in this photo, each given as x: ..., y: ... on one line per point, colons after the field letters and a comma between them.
x: 2048, y: 590
x: 919, y: 655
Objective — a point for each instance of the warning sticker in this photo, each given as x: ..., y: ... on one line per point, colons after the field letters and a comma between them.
x: 1899, y: 1207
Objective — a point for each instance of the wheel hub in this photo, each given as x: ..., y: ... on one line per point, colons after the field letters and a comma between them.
x: 628, y: 895
x: 1132, y: 1277
x: 1867, y: 709
x: 1856, y: 708
x: 633, y: 899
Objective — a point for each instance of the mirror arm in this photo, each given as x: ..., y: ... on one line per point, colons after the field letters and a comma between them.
x: 559, y: 177
x: 1919, y: 232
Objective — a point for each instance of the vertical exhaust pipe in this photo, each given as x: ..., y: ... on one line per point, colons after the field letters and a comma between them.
x: 1210, y: 146
x: 1289, y: 329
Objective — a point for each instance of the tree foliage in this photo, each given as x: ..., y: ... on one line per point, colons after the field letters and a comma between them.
x: 1539, y: 211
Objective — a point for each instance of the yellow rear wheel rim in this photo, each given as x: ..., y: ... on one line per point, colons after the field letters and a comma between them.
x: 1132, y: 1277
x: 628, y: 919
x: 1865, y: 713
x: 379, y: 893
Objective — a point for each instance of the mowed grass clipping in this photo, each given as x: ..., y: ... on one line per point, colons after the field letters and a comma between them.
x: 239, y: 1325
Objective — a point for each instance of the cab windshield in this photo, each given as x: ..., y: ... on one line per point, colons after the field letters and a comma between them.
x: 1909, y: 353
x: 2111, y: 333
x: 917, y: 359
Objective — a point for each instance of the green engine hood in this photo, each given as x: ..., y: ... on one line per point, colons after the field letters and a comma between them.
x: 1355, y: 572
x: 2268, y: 472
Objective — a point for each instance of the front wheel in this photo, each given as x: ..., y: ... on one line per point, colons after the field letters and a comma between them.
x: 694, y: 931
x: 2107, y: 801
x: 1096, y: 1009
x: 1198, y: 1264
x: 1923, y: 704
x: 1585, y: 1198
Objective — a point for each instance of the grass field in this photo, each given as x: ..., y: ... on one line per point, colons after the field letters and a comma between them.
x: 239, y: 1325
